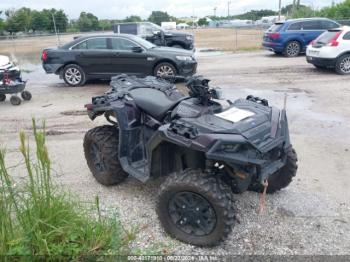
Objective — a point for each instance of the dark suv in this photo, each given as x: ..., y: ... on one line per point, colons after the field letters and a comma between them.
x: 293, y: 36
x: 156, y: 35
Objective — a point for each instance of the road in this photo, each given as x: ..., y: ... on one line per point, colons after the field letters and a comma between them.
x: 312, y: 216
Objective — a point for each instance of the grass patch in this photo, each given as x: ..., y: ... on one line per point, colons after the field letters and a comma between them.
x: 39, y: 219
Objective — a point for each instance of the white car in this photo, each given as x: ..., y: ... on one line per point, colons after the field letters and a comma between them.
x: 331, y: 50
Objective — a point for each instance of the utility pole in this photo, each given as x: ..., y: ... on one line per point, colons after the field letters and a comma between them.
x: 293, y: 9
x: 279, y: 10
x: 54, y: 25
x: 215, y: 11
x: 228, y: 8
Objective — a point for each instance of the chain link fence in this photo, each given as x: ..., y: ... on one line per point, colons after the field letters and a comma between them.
x: 228, y: 39
x: 29, y: 47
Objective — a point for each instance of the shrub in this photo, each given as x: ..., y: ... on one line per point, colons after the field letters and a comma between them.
x: 39, y: 219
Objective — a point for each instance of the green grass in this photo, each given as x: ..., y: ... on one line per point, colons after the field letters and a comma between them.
x: 39, y: 219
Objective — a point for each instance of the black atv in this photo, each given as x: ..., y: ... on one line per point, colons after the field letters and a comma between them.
x: 205, y: 147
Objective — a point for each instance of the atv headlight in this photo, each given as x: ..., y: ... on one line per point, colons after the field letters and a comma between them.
x: 184, y: 58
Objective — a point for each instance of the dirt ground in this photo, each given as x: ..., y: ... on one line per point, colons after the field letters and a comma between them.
x: 310, y: 217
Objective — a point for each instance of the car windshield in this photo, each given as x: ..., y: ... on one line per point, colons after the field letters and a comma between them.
x: 275, y: 28
x: 141, y: 41
x: 157, y: 27
x: 327, y: 36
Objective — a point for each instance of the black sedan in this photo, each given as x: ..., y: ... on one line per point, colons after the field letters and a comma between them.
x: 102, y: 56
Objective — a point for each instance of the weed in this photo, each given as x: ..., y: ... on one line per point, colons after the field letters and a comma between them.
x: 40, y: 219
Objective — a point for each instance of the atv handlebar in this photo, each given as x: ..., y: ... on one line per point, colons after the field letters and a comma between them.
x: 198, y: 87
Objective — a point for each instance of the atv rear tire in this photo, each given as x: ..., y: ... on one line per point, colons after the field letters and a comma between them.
x: 101, y: 153
x: 196, y: 208
x: 283, y: 177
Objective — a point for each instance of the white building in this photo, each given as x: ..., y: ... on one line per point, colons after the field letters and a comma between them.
x: 168, y: 25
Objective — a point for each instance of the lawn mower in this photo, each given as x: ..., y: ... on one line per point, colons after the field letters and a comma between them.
x: 11, y: 82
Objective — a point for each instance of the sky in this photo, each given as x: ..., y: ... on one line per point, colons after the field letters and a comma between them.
x: 119, y: 9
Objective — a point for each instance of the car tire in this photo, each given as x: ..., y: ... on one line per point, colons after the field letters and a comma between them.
x: 342, y: 65
x: 196, y: 208
x: 292, y: 49
x: 15, y: 100
x: 74, y: 75
x: 26, y: 95
x: 164, y: 69
x: 283, y: 177
x: 2, y: 97
x: 101, y: 153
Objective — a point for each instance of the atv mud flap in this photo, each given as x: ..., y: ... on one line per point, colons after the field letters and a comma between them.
x: 269, y: 170
x: 132, y: 154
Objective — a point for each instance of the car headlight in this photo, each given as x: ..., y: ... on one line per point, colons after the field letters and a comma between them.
x: 184, y: 58
x: 189, y: 37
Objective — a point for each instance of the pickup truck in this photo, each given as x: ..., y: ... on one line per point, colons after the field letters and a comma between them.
x: 156, y: 35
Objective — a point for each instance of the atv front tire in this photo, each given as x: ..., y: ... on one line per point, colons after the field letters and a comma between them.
x: 283, y: 177
x: 196, y: 208
x: 101, y: 153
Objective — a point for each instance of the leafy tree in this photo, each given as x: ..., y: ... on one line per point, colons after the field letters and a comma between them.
x: 133, y: 18
x: 87, y: 22
x: 338, y: 11
x: 203, y: 22
x: 105, y: 24
x: 158, y: 17
x: 61, y: 19
x: 303, y: 11
x: 18, y: 20
x: 255, y: 14
x: 2, y: 23
x: 251, y: 15
x: 39, y: 21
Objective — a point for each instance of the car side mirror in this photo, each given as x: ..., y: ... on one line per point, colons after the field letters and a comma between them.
x: 137, y: 49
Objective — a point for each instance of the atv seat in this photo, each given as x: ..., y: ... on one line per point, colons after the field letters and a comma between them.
x: 154, y: 102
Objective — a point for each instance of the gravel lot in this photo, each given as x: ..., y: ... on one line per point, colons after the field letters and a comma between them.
x: 312, y: 216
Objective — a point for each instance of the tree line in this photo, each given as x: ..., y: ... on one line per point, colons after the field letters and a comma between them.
x: 31, y: 21
x: 340, y: 11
